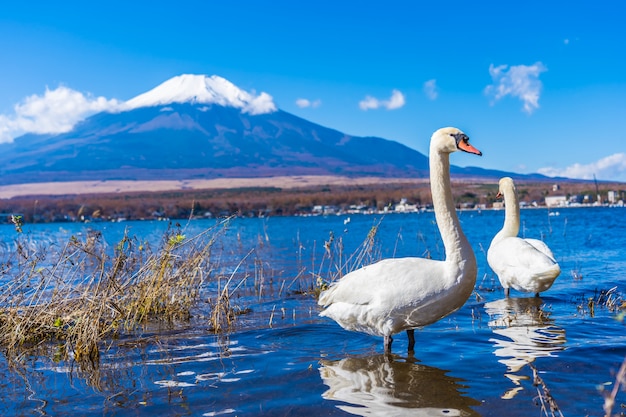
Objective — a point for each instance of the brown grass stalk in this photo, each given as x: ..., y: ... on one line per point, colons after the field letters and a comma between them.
x: 620, y: 383
x: 335, y: 264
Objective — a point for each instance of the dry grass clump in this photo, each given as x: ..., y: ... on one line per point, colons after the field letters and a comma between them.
x: 223, y: 314
x: 610, y: 299
x: 86, y: 292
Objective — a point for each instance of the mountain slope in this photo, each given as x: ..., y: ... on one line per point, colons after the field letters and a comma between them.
x: 204, y: 127
x: 188, y: 141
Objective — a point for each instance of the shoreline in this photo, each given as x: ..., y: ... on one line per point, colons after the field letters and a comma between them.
x: 133, y: 186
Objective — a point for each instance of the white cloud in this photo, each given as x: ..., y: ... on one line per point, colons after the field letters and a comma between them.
x: 610, y: 168
x: 261, y: 104
x: 431, y: 90
x: 394, y: 102
x: 303, y: 103
x: 369, y: 102
x: 57, y: 111
x: 521, y: 81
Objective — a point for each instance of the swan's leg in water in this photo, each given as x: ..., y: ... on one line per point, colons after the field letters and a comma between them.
x: 387, y: 341
x: 411, y: 335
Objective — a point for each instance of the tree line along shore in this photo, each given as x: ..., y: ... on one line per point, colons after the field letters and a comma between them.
x: 276, y: 201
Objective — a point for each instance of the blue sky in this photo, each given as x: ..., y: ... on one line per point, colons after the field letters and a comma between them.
x: 538, y: 86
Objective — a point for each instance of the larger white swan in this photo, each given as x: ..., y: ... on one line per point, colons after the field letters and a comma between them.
x: 526, y: 265
x: 399, y: 294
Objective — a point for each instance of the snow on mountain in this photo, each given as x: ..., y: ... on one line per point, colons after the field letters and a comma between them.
x: 58, y: 110
x: 202, y: 89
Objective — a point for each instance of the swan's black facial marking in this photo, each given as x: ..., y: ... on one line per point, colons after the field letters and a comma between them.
x: 462, y: 143
x: 460, y: 137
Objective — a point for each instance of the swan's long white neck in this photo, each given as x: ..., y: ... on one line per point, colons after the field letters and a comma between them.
x: 456, y: 244
x: 511, y: 215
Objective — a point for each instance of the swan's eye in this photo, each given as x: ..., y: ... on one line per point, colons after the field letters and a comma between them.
x: 460, y: 137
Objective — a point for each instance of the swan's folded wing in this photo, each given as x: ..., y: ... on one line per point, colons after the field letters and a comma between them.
x: 347, y: 289
x: 515, y: 252
x: 541, y: 246
x: 521, y: 266
x: 395, y: 278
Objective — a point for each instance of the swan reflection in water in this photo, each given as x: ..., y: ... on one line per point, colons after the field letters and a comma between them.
x: 528, y: 334
x: 389, y: 385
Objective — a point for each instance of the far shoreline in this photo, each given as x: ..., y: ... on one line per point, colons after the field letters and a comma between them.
x: 278, y: 196
x: 67, y: 188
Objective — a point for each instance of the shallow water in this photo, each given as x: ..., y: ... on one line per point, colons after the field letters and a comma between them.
x: 282, y: 359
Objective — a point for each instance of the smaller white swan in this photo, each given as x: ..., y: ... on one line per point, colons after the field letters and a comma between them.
x: 526, y: 265
x: 399, y: 294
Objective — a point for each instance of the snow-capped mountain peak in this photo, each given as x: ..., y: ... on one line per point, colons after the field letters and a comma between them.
x: 202, y: 89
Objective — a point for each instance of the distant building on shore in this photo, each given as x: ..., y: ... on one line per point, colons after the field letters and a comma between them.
x: 404, y: 207
x: 556, y: 201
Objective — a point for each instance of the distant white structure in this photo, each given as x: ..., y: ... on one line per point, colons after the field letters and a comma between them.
x: 576, y: 199
x: 555, y: 201
x: 404, y: 207
x: 613, y: 197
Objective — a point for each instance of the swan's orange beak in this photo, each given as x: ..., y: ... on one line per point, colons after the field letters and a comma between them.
x: 466, y: 147
x: 499, y: 195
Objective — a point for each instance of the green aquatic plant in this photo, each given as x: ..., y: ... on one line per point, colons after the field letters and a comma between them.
x: 176, y: 239
x: 18, y: 222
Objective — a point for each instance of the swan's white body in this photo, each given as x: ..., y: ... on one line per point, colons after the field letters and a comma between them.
x: 393, y: 295
x: 526, y: 265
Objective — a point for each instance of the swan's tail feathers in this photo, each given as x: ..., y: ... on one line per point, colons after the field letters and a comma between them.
x: 552, y: 272
x: 545, y: 278
x: 326, y: 296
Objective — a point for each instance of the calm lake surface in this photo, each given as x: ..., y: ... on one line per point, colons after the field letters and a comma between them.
x: 281, y: 359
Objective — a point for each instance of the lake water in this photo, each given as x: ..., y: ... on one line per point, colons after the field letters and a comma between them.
x: 281, y: 359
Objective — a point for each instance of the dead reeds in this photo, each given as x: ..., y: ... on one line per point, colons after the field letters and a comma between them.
x: 611, y: 300
x: 84, y: 293
x: 548, y: 404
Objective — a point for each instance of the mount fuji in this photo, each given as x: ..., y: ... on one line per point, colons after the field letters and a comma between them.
x: 197, y: 126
